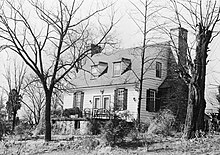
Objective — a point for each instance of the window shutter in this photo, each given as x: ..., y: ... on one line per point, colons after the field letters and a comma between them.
x: 157, y: 102
x: 115, y: 99
x: 126, y: 65
x: 125, y: 99
x: 74, y: 99
x: 148, y: 100
x: 81, y: 100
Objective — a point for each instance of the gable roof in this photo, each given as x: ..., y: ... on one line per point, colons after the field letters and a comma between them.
x: 84, y: 78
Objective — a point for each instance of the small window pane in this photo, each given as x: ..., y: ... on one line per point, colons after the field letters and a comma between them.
x: 106, y: 102
x: 78, y: 99
x: 151, y: 100
x: 120, y: 99
x: 116, y: 68
x: 158, y: 69
x: 95, y: 71
x: 96, y: 103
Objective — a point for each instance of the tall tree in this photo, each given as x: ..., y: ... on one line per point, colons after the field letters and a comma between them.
x: 147, y: 14
x: 15, y: 78
x: 54, y: 42
x: 201, y: 17
x: 34, y: 98
x: 13, y: 105
x: 218, y: 98
x: 2, y: 99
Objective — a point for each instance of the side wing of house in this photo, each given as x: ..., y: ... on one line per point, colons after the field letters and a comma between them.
x: 154, y: 75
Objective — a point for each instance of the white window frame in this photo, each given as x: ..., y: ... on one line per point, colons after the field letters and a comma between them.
x: 108, y: 104
x: 118, y: 72
x: 152, y: 98
x: 96, y: 69
x: 94, y: 99
x: 158, y: 69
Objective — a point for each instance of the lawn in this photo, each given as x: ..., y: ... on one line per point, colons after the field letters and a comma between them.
x: 152, y: 144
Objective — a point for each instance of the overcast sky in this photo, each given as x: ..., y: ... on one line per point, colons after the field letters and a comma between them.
x: 129, y: 35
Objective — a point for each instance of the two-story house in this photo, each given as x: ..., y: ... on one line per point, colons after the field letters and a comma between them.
x: 111, y: 80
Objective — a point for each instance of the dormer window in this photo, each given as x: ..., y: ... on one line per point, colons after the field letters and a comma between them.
x: 94, y: 71
x: 117, y: 68
x: 99, y: 69
x: 121, y: 67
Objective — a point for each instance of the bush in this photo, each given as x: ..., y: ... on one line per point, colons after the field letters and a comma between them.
x: 95, y: 126
x: 115, y: 130
x: 137, y: 129
x: 23, y: 129
x: 90, y: 143
x: 56, y: 113
x: 5, y: 128
x: 72, y: 111
x: 1, y: 129
x: 162, y: 123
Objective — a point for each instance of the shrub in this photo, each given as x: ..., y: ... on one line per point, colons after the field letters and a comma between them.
x: 115, y: 130
x: 137, y: 129
x: 1, y: 129
x: 90, y: 143
x: 94, y: 126
x: 162, y: 123
x: 5, y: 128
x: 56, y: 113
x: 23, y: 129
x: 72, y: 111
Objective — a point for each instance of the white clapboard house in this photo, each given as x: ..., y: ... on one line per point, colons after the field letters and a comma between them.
x: 112, y: 83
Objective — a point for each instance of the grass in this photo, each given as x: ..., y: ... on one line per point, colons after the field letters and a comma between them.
x: 154, y: 145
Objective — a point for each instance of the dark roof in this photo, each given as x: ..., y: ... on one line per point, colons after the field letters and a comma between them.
x: 165, y: 84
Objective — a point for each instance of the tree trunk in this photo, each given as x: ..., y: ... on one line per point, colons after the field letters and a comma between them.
x: 41, y: 124
x: 194, y: 122
x: 47, y: 116
x: 14, y: 120
x: 142, y: 65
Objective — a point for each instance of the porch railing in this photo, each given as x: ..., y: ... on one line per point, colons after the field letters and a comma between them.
x: 106, y: 114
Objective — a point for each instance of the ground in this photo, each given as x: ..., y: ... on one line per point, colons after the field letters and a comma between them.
x: 68, y: 145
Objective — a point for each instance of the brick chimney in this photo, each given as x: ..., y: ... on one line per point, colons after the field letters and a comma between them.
x: 179, y: 45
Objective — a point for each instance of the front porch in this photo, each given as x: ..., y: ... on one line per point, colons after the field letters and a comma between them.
x: 79, y: 122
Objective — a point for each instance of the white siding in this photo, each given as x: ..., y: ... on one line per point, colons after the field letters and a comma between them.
x: 132, y: 100
x: 68, y: 101
x: 153, y: 54
x: 153, y: 82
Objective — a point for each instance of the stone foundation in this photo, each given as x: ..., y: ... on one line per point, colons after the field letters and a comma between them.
x: 71, y: 127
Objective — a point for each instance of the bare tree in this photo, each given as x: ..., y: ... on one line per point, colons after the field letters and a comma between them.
x: 2, y: 114
x: 34, y: 98
x: 55, y: 43
x: 2, y: 100
x: 147, y: 12
x: 14, y: 80
x: 201, y: 17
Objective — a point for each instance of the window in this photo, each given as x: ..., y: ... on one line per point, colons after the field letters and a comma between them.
x: 94, y: 71
x: 116, y: 68
x: 158, y: 69
x: 99, y: 69
x: 106, y: 102
x: 78, y: 99
x: 152, y: 102
x: 96, y: 102
x: 120, y: 101
x: 121, y: 66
